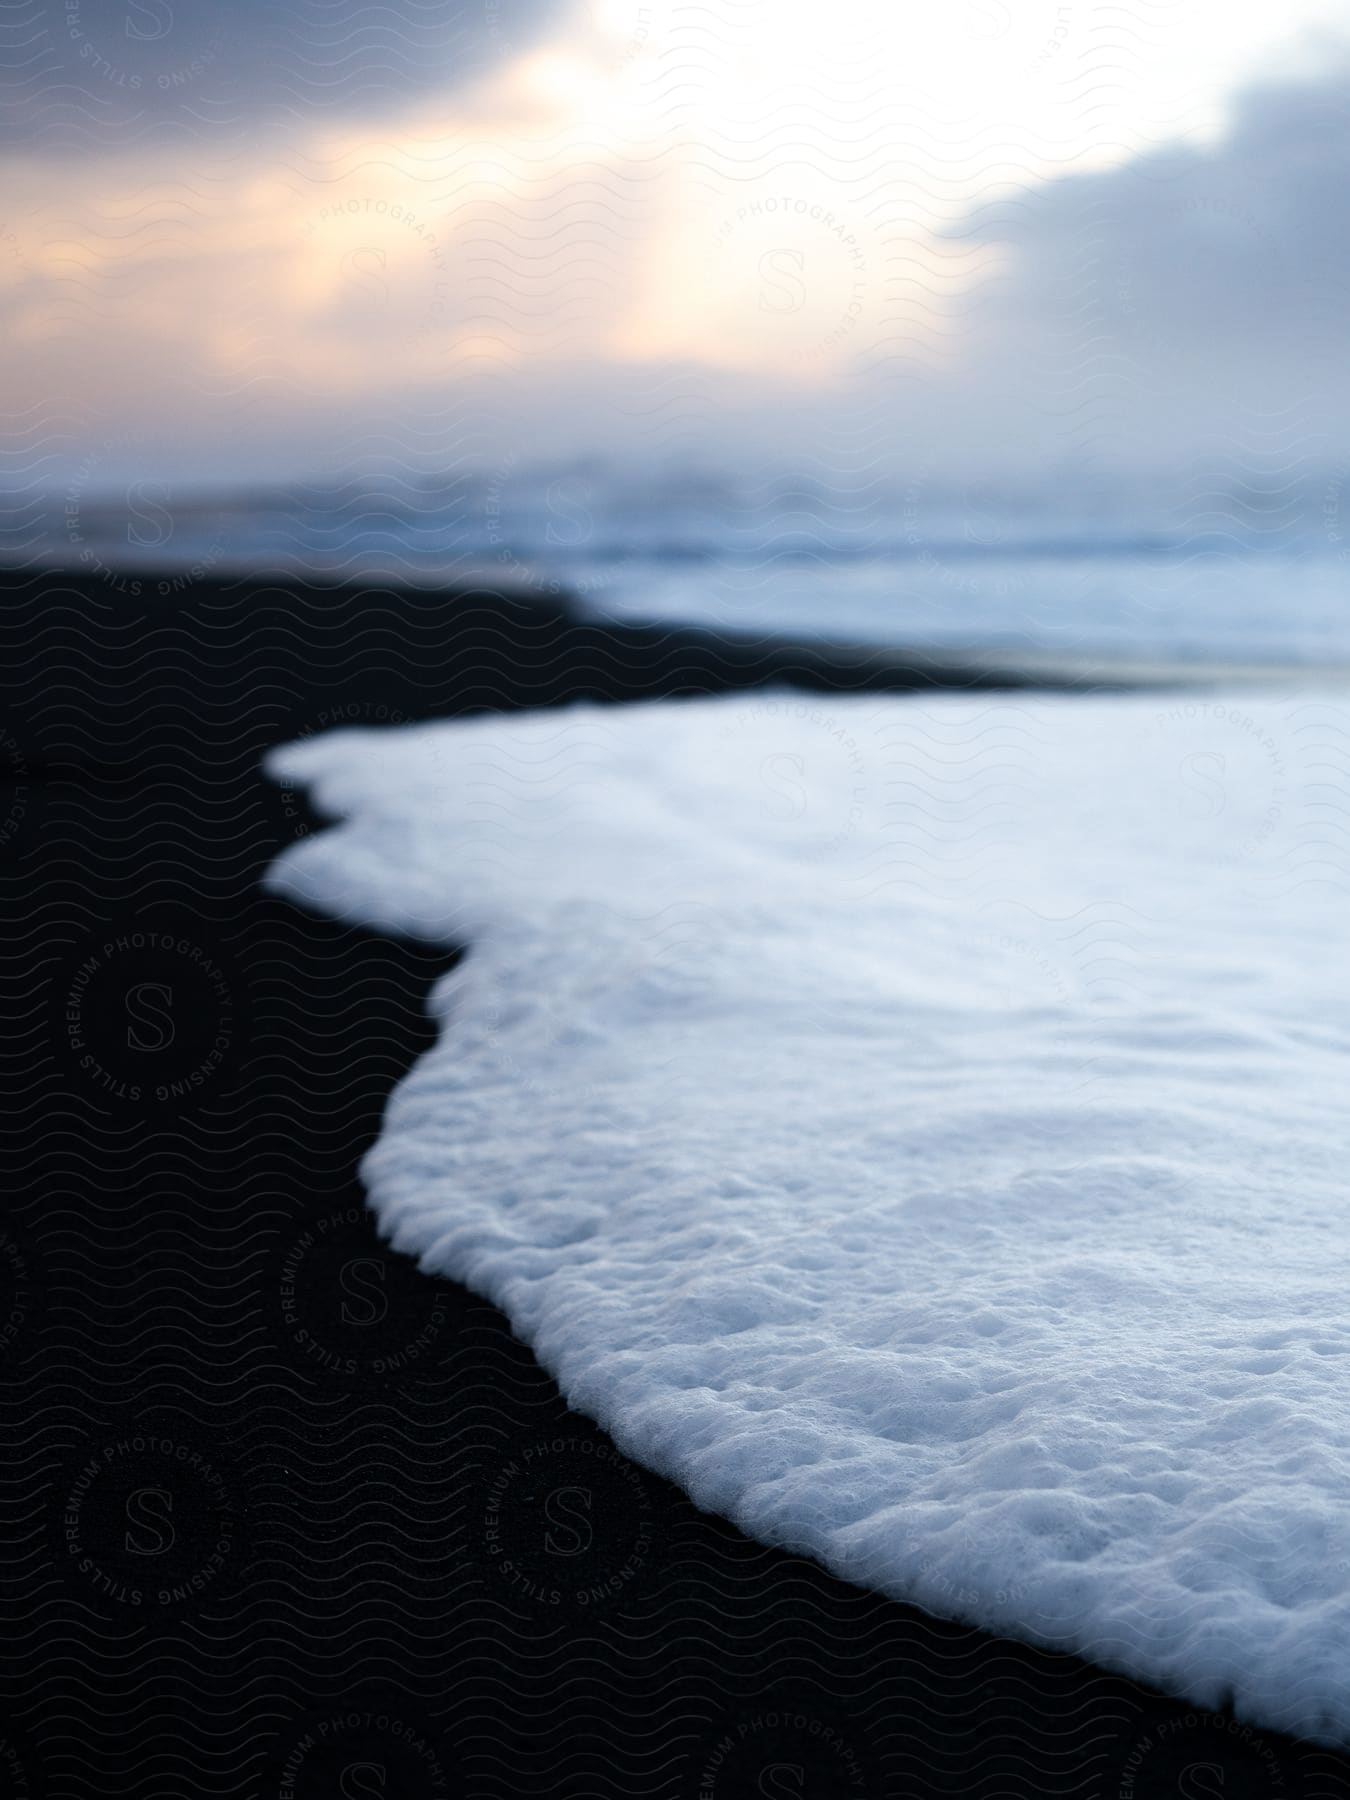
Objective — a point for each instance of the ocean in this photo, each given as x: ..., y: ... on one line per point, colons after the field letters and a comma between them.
x: 1200, y: 570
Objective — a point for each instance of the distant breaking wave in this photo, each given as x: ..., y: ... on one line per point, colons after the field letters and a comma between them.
x: 1203, y: 577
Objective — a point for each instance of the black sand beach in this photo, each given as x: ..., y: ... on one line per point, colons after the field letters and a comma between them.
x: 286, y: 1517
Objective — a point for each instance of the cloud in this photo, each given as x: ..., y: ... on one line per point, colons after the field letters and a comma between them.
x: 84, y: 72
x: 1188, y: 293
x: 500, y: 266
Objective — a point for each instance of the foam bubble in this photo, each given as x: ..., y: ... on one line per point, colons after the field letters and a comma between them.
x: 914, y: 1126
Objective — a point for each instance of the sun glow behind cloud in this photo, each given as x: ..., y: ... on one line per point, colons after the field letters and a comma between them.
x: 767, y: 189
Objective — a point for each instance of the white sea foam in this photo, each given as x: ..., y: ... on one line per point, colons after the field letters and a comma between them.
x: 914, y: 1126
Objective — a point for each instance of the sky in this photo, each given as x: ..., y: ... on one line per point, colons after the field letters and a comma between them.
x: 242, y: 243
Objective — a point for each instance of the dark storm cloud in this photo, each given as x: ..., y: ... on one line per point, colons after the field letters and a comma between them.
x: 1196, y: 285
x: 101, y: 72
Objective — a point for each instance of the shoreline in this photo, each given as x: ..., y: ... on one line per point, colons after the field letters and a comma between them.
x: 202, y: 1270
x: 356, y: 644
